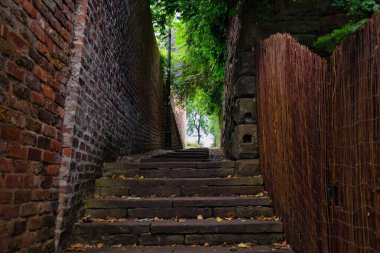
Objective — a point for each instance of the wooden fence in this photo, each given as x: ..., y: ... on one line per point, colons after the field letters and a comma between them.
x: 319, y: 134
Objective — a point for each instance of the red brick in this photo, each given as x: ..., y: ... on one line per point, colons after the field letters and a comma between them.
x: 42, y: 49
x: 18, y: 42
x: 51, y: 106
x: 14, y: 181
x: 37, y: 98
x: 34, y: 154
x: 48, y: 91
x: 40, y: 73
x: 20, y: 166
x: 40, y: 195
x: 28, y: 209
x: 15, y: 71
x: 50, y: 45
x: 17, y: 151
x: 22, y: 196
x: 55, y: 145
x: 43, y: 142
x: 11, y: 133
x: 49, y: 131
x: 36, y: 223
x: 28, y: 138
x: 3, y: 30
x: 53, y: 170
x: 49, y: 157
x: 61, y: 112
x: 67, y: 36
x: 67, y: 152
x: 29, y: 8
x: 4, y: 232
x: 9, y: 212
x: 36, y: 29
x: 5, y: 165
x: 5, y: 197
x: 30, y: 182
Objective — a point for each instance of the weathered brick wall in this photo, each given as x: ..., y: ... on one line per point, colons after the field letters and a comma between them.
x: 115, y: 101
x: 80, y: 83
x: 257, y: 20
x: 34, y: 52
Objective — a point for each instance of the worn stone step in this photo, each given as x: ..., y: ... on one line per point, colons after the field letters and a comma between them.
x: 152, y: 182
x: 241, y: 207
x: 180, y: 187
x: 187, y: 249
x: 174, y: 173
x: 176, y: 165
x: 175, y: 159
x: 189, y: 232
x: 185, y: 191
x: 185, y: 170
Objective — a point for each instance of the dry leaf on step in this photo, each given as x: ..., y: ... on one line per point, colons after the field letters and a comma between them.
x: 99, y: 245
x: 76, y: 247
x: 218, y: 219
x: 244, y: 245
x: 200, y: 217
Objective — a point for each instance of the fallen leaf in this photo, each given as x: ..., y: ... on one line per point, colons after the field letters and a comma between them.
x: 206, y: 244
x: 229, y: 176
x: 99, y: 245
x: 218, y: 219
x: 200, y: 217
x: 283, y: 245
x: 76, y: 247
x: 230, y: 216
x: 122, y: 177
x: 244, y: 245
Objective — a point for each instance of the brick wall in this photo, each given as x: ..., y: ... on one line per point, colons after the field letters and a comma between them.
x: 34, y: 53
x: 257, y: 20
x: 80, y: 83
x: 115, y: 100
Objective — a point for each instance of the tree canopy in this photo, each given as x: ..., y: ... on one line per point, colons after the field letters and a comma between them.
x: 199, y: 29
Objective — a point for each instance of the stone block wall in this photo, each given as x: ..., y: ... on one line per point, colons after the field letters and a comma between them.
x: 256, y: 20
x: 35, y: 41
x: 80, y: 83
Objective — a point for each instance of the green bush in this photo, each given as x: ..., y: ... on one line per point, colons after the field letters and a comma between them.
x: 358, y: 12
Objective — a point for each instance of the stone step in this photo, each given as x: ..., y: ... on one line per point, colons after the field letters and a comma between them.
x: 184, y: 170
x: 176, y: 173
x: 180, y: 187
x: 171, y: 165
x: 240, y: 207
x: 174, y: 159
x: 188, y: 232
x: 187, y: 249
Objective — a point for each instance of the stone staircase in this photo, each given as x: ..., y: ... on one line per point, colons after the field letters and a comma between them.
x: 181, y: 198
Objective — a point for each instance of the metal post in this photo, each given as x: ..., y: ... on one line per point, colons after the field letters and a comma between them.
x: 168, y: 135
